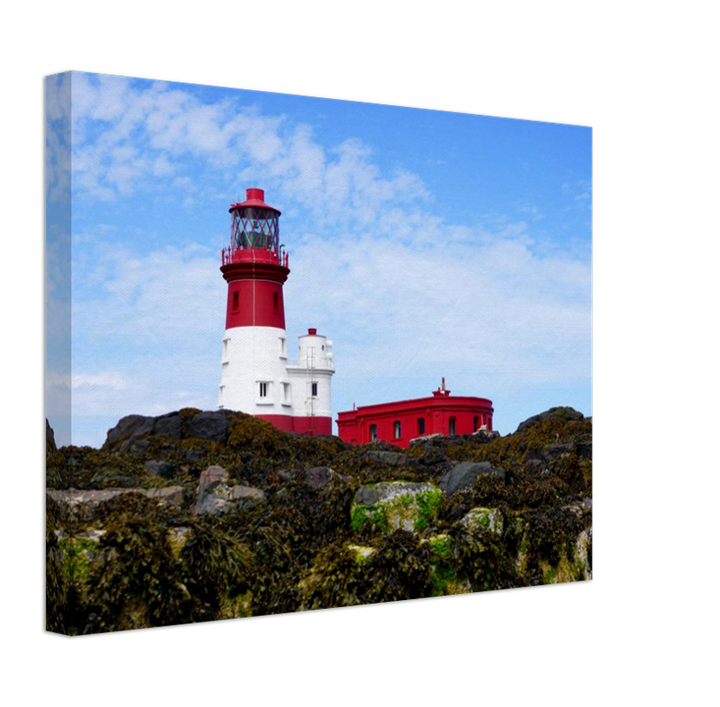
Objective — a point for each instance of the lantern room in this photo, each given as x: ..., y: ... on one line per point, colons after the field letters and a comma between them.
x: 254, y: 232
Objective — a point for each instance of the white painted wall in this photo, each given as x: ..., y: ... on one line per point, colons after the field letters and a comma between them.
x: 251, y: 355
x: 254, y: 355
x: 315, y: 365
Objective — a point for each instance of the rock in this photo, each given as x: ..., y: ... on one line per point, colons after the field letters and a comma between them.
x: 488, y: 518
x: 169, y: 425
x: 425, y: 438
x: 393, y: 505
x: 557, y: 450
x: 565, y: 413
x: 584, y: 449
x: 464, y: 475
x: 386, y: 458
x: 90, y: 500
x: 158, y: 468
x: 247, y: 495
x: 484, y: 436
x: 434, y: 455
x: 211, y: 478
x: 319, y: 476
x: 215, y: 496
x: 169, y: 494
x: 134, y: 447
x: 534, y: 466
x: 130, y: 426
x: 212, y: 426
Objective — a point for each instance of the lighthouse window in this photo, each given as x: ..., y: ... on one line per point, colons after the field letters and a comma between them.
x: 263, y: 390
x: 236, y: 300
x: 314, y: 390
x: 373, y: 433
x: 276, y: 302
x: 397, y: 429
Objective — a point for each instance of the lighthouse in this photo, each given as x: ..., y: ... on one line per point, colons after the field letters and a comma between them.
x: 256, y: 376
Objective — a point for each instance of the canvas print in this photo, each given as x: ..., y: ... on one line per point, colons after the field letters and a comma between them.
x: 305, y: 353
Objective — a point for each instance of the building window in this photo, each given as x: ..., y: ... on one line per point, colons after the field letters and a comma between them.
x: 263, y: 390
x: 286, y: 392
x: 451, y: 426
x: 476, y: 420
x: 373, y: 433
x: 313, y: 388
x: 236, y: 301
x: 397, y: 429
x: 421, y: 425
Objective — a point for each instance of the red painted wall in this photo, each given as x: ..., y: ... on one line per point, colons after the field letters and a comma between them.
x: 255, y: 294
x: 354, y: 426
x: 255, y: 303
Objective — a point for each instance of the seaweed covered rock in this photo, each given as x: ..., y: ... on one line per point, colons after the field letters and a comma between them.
x: 398, y: 567
x: 259, y: 521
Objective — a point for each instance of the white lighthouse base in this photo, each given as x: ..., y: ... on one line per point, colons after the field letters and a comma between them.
x: 256, y: 379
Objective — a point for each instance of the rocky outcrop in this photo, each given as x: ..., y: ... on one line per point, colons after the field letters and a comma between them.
x: 563, y: 413
x: 273, y: 522
x: 212, y: 426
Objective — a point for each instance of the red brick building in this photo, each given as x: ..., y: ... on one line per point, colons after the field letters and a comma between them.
x: 404, y: 420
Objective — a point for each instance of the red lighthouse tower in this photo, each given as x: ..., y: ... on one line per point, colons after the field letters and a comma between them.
x: 256, y: 377
x: 253, y: 265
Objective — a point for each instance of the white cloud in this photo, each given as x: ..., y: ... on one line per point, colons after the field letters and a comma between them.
x: 164, y: 297
x: 393, y: 307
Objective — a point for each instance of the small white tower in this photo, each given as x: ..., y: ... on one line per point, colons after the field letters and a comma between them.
x: 310, y: 380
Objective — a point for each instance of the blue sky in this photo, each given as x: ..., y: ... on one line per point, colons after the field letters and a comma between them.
x: 423, y: 243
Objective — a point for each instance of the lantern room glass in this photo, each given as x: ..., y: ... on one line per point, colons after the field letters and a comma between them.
x: 255, y: 228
